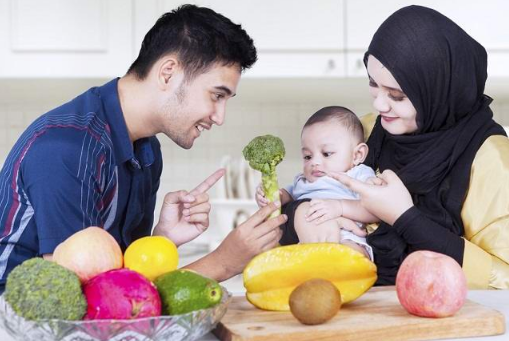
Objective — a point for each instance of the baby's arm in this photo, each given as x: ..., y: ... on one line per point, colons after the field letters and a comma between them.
x: 284, y: 197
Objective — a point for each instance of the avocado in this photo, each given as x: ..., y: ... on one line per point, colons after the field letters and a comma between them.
x: 183, y: 291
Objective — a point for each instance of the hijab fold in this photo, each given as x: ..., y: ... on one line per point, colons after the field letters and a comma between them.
x: 443, y: 72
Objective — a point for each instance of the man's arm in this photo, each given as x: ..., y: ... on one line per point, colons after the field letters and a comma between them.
x: 247, y: 240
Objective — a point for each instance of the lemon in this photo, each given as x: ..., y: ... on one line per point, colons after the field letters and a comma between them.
x: 151, y: 256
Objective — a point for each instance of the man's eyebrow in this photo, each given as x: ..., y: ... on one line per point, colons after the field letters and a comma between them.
x: 226, y: 90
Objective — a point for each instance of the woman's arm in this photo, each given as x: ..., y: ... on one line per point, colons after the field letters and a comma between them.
x: 485, y: 217
x: 353, y: 210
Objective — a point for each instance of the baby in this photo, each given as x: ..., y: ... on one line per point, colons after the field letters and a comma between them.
x: 316, y: 205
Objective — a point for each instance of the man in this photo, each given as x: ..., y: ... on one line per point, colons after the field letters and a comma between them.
x: 96, y: 161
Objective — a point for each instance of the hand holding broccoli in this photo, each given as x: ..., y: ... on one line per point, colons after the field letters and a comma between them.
x: 264, y: 153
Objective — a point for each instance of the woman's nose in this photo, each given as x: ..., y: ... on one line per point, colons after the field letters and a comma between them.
x: 380, y: 102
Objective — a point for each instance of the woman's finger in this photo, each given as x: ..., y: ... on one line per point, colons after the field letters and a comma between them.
x: 355, y: 185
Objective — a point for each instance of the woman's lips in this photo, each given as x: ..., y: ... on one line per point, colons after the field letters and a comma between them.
x: 389, y: 118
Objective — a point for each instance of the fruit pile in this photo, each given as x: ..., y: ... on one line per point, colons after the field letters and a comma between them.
x: 89, y: 278
x: 312, y: 281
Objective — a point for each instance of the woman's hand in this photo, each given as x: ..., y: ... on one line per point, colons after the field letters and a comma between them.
x: 321, y: 210
x: 387, y: 198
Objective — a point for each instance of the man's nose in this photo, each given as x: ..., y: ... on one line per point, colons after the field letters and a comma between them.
x: 219, y: 115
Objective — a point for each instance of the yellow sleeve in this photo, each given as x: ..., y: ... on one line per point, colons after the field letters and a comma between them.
x: 485, y: 215
x: 368, y: 122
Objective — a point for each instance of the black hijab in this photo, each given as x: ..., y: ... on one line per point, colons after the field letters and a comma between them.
x: 443, y: 71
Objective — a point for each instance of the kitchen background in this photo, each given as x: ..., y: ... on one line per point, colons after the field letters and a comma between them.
x: 309, y: 57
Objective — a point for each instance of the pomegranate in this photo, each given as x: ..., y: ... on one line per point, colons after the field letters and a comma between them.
x: 431, y: 284
x: 121, y: 294
x: 89, y: 252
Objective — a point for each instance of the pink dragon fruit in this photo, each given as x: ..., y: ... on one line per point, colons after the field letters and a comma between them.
x: 121, y: 294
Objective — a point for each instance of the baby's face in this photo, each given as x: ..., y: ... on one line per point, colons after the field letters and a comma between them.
x: 326, y: 146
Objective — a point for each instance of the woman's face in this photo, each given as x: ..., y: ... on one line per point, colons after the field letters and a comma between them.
x: 397, y: 112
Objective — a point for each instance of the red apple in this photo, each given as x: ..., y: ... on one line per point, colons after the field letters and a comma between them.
x: 431, y: 284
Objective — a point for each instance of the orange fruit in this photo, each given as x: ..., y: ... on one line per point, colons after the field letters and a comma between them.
x: 151, y: 256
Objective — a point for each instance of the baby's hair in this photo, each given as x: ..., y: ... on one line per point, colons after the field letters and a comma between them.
x: 342, y: 115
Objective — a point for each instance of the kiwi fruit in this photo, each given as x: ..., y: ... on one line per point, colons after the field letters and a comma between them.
x: 315, y: 301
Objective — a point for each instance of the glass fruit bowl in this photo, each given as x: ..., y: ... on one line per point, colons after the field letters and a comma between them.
x: 188, y: 326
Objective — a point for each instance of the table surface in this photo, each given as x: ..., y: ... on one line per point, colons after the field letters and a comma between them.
x: 496, y: 299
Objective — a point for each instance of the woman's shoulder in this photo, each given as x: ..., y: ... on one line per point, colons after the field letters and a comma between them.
x: 493, y: 156
x: 368, y: 122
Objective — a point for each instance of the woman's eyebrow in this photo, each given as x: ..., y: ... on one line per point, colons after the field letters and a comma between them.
x: 385, y: 86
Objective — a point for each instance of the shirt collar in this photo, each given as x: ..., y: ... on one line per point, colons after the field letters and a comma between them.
x: 115, y: 117
x: 139, y: 154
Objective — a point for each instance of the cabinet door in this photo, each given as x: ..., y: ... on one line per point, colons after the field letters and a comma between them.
x: 293, y: 38
x: 485, y: 21
x: 65, y: 38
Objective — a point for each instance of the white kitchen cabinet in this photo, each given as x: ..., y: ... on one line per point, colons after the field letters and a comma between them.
x: 293, y: 39
x: 65, y: 38
x: 485, y: 21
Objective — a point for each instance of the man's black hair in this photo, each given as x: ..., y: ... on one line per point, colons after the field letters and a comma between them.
x: 199, y: 37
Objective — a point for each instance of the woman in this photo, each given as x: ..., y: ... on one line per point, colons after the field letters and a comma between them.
x: 444, y: 162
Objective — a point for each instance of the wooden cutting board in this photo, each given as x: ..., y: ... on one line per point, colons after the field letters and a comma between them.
x: 377, y: 315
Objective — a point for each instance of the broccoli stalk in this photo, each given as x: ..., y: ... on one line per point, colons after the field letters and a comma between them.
x: 264, y: 153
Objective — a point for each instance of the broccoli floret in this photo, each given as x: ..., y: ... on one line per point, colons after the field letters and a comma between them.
x: 264, y: 153
x: 39, y: 289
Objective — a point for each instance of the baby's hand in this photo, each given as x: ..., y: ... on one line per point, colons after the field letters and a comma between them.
x: 260, y: 198
x: 349, y: 225
x: 321, y: 210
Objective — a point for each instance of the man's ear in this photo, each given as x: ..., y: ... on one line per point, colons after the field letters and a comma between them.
x: 166, y: 70
x: 360, y: 153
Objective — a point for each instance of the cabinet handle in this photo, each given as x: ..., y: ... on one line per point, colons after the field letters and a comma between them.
x: 331, y: 64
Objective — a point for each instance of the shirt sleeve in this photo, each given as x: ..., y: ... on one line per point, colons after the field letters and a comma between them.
x: 421, y: 233
x: 68, y: 179
x: 485, y: 216
x: 364, y: 173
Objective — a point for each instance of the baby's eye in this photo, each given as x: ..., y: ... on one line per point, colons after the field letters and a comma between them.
x: 307, y: 157
x: 327, y: 154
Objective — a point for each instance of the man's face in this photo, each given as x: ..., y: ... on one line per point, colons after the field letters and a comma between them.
x: 198, y: 104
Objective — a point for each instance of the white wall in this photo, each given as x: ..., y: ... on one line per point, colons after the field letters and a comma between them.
x: 261, y: 107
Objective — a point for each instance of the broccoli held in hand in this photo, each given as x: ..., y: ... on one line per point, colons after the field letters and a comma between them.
x: 39, y: 289
x: 264, y: 153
